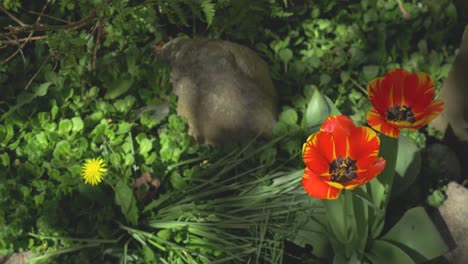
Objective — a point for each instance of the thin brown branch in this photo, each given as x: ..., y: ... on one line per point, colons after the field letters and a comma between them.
x: 404, y: 13
x: 49, y: 16
x: 10, y: 57
x: 18, y: 41
x: 12, y: 16
x: 21, y: 46
x: 37, y: 72
x: 98, y: 38
x: 358, y: 86
x: 41, y: 27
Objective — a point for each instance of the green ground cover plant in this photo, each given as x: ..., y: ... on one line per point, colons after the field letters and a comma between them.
x: 78, y: 81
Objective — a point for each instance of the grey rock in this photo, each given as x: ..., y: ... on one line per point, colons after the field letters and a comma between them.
x: 455, y: 214
x: 16, y: 258
x: 224, y: 89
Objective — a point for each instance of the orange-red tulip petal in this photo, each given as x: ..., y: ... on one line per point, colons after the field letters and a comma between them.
x: 317, y: 187
x: 402, y: 100
x: 340, y: 156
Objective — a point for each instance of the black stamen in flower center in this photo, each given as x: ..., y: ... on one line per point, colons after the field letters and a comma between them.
x: 342, y: 170
x: 400, y: 113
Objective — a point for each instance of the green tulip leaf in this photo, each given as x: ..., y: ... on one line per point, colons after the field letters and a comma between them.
x: 318, y: 109
x: 380, y: 187
x: 384, y: 252
x: 311, y: 233
x: 408, y: 165
x: 309, y: 228
x: 417, y: 235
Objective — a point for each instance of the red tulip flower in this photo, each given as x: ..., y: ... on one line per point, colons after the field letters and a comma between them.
x: 402, y: 100
x: 340, y: 156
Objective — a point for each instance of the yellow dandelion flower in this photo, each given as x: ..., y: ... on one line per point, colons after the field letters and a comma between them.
x: 93, y: 170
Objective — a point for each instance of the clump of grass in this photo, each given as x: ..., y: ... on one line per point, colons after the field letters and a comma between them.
x: 225, y: 215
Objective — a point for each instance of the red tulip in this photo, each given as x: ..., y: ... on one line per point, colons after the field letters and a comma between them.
x: 402, y: 100
x: 340, y: 156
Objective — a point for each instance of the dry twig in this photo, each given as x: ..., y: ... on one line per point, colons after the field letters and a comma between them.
x: 18, y: 41
x: 13, y: 31
x: 404, y: 13
x: 37, y: 72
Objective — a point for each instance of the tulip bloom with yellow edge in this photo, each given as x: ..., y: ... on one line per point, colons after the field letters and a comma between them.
x: 340, y: 156
x: 93, y: 171
x: 402, y: 100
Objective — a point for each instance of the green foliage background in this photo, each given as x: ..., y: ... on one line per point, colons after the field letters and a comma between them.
x: 93, y: 89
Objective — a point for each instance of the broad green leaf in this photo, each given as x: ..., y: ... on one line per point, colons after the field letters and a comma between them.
x: 42, y: 89
x: 324, y: 79
x: 119, y: 87
x: 126, y: 200
x: 408, y: 165
x: 115, y: 159
x: 99, y: 130
x: 54, y: 110
x: 74, y: 169
x: 123, y: 127
x: 62, y: 150
x: 436, y: 198
x: 288, y: 116
x: 24, y: 98
x: 8, y: 133
x: 151, y: 158
x: 177, y: 181
x: 280, y: 128
x: 285, y: 55
x: 152, y: 115
x: 344, y: 76
x: 417, y: 235
x: 384, y: 252
x: 93, y: 92
x: 148, y: 255
x: 5, y: 159
x: 41, y: 140
x: 170, y: 150
x: 54, y: 137
x: 77, y: 124
x: 65, y: 126
x: 370, y: 72
x: 2, y: 133
x: 164, y: 234
x: 145, y: 146
x: 129, y: 159
x: 39, y: 199
x: 125, y: 105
